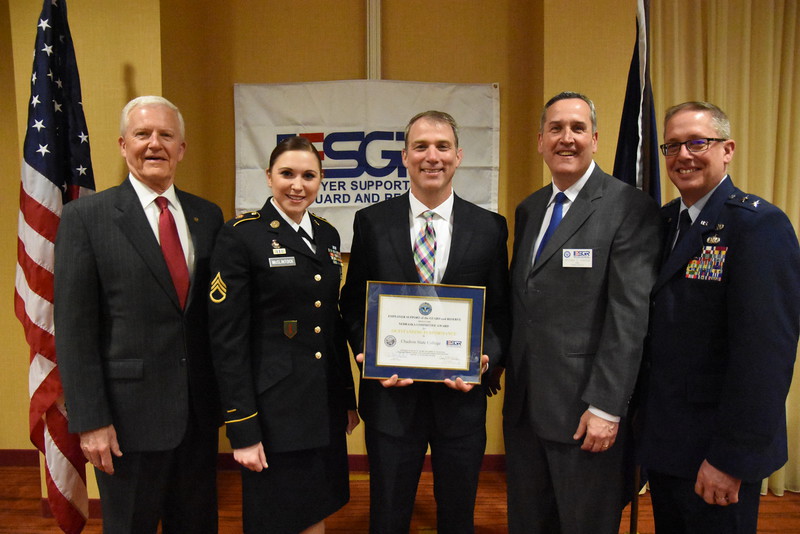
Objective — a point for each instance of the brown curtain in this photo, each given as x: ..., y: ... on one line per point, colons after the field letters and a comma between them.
x: 744, y: 56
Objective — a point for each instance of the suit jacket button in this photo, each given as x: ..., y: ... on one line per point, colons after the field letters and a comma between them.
x: 183, y: 361
x: 317, y: 277
x: 317, y: 304
x: 318, y: 355
x: 317, y: 330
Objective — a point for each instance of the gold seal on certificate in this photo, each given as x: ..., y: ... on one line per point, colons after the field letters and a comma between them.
x: 426, y: 332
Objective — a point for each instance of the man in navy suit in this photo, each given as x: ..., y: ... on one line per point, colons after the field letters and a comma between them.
x: 725, y: 314
x: 132, y: 334
x: 402, y: 418
x: 579, y: 301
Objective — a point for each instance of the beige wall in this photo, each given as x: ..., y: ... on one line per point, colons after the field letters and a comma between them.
x: 14, y: 352
x: 194, y: 51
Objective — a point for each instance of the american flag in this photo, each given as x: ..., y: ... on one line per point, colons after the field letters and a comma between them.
x: 56, y: 168
x: 636, y: 160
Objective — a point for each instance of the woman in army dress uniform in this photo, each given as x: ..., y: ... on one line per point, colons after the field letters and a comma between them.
x: 280, y: 353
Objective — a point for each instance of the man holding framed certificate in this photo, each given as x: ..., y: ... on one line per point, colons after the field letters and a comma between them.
x: 427, y: 236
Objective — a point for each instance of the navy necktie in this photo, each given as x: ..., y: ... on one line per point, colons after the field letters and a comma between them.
x: 555, y: 219
x: 684, y: 222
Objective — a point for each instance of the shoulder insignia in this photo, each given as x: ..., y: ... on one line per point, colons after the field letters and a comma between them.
x: 244, y: 217
x: 315, y: 216
x: 219, y: 290
x: 751, y: 202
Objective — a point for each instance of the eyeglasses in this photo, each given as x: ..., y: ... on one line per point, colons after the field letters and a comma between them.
x: 692, y: 145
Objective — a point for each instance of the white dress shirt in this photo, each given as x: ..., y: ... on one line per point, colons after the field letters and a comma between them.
x: 442, y: 225
x: 571, y: 194
x: 305, y: 224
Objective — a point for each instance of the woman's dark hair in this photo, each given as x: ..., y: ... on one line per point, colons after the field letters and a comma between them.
x: 293, y: 143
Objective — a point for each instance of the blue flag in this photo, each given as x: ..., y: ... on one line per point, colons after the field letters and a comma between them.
x: 636, y: 161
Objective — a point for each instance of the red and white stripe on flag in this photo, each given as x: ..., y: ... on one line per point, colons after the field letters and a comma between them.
x: 56, y: 168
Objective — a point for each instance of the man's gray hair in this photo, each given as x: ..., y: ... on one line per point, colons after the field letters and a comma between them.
x: 719, y: 120
x: 566, y: 95
x: 149, y: 100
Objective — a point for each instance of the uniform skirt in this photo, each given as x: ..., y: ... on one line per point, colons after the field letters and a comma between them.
x: 298, y: 489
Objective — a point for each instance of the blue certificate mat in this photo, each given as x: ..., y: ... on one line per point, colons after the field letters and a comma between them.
x: 426, y: 332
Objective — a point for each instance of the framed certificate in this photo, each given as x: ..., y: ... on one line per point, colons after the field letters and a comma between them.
x: 426, y: 332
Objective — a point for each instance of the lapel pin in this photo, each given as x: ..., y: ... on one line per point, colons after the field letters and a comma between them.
x: 719, y: 227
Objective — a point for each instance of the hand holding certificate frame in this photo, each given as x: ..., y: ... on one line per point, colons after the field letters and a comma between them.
x: 426, y: 332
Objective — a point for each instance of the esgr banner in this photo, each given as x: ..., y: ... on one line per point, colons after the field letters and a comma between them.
x: 357, y: 126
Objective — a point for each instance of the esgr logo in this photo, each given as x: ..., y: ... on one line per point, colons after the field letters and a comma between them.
x: 360, y: 148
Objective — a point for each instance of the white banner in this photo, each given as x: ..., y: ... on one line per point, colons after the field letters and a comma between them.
x: 358, y: 128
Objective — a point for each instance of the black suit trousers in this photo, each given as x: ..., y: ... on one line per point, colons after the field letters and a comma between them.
x: 677, y: 509
x: 396, y: 463
x: 176, y: 486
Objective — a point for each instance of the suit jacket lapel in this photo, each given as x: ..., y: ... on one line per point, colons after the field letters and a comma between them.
x: 461, y: 238
x: 580, y: 210
x: 526, y: 231
x: 196, y: 223
x: 398, y: 234
x: 132, y: 222
x: 691, y: 245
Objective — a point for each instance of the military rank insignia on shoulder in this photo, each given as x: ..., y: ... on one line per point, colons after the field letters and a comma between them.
x: 751, y: 202
x: 315, y: 216
x: 245, y: 217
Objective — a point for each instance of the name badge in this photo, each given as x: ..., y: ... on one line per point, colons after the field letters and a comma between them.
x: 580, y: 258
x: 282, y: 262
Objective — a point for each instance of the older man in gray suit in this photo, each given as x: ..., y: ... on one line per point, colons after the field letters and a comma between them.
x: 585, y: 256
x: 131, y: 279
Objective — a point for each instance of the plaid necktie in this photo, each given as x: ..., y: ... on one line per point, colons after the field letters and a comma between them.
x: 172, y: 250
x: 425, y: 249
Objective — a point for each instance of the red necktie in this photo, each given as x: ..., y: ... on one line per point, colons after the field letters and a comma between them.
x: 172, y: 250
